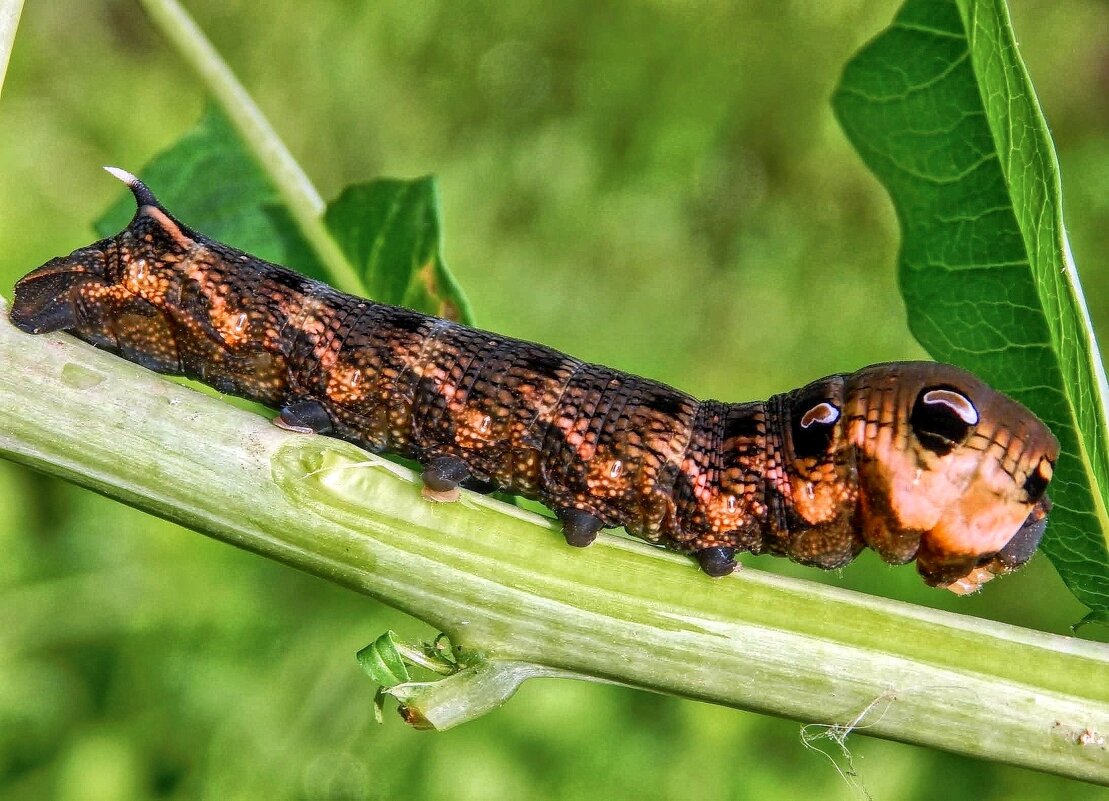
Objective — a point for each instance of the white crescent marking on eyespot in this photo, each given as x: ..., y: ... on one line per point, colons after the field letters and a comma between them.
x: 823, y: 413
x: 956, y: 402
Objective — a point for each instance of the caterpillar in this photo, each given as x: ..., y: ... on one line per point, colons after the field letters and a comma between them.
x: 916, y: 460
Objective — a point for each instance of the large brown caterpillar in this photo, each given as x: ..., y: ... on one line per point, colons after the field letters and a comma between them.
x: 915, y: 460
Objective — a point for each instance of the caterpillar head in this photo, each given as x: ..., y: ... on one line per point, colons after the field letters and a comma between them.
x: 46, y: 299
x: 951, y: 472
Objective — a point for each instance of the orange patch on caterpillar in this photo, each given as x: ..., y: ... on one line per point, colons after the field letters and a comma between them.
x: 983, y: 517
x: 345, y: 384
x: 980, y: 523
x: 233, y: 325
x: 819, y: 495
x: 725, y: 512
x: 169, y: 226
x: 144, y: 280
x: 819, y: 502
x: 448, y: 389
x: 475, y: 428
x: 312, y: 320
x: 608, y: 475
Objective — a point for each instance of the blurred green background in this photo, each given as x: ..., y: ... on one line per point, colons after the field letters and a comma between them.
x: 658, y: 186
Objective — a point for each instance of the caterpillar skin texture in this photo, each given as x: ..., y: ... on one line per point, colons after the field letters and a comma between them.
x: 915, y: 460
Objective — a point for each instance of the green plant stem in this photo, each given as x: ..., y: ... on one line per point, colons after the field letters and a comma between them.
x: 475, y: 690
x: 9, y: 22
x: 499, y: 581
x: 294, y: 186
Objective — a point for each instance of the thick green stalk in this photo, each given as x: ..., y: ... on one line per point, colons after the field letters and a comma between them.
x: 296, y: 190
x: 9, y: 21
x: 500, y: 583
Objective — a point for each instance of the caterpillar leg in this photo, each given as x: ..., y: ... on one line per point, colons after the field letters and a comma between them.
x: 1024, y: 543
x: 442, y: 477
x: 479, y: 486
x: 304, y: 417
x: 579, y: 527
x: 718, y: 561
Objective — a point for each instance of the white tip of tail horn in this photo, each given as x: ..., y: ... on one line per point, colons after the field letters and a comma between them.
x: 143, y: 195
x: 123, y: 175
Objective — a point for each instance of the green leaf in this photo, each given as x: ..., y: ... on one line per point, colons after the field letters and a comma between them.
x: 388, y: 228
x: 382, y: 661
x: 1099, y: 617
x: 390, y: 231
x: 942, y: 110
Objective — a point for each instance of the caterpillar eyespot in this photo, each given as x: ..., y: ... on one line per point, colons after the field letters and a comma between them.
x: 942, y: 417
x: 814, y: 430
x: 916, y: 460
